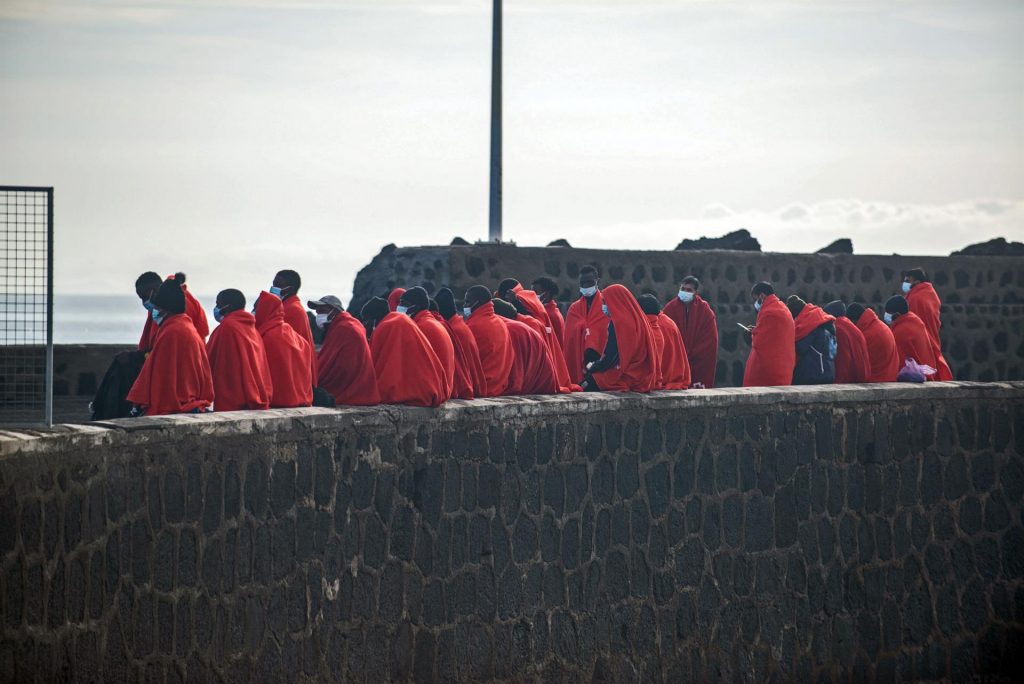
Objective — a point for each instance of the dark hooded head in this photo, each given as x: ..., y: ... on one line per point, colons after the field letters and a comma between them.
x: 505, y: 289
x: 477, y: 296
x: 170, y: 297
x: 649, y: 304
x: 289, y: 282
x: 147, y: 284
x: 230, y: 300
x: 546, y: 288
x: 795, y: 305
x: 855, y: 311
x: 835, y: 308
x: 372, y: 313
x: 415, y: 299
x: 896, y: 305
x: 446, y: 303
x: 504, y: 309
x: 916, y: 275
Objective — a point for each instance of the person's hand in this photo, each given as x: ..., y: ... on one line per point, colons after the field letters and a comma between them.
x: 748, y: 335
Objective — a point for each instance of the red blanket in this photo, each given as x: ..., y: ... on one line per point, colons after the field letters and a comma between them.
x: 675, y: 367
x: 852, y: 361
x: 441, y: 343
x: 923, y: 301
x: 637, y: 370
x: 345, y: 365
x: 539, y: 313
x: 193, y: 309
x: 882, y: 354
x: 295, y: 316
x: 557, y: 321
x: 914, y: 342
x: 176, y: 376
x: 496, y: 353
x: 532, y: 371
x: 288, y: 354
x: 810, y: 318
x: 772, y: 348
x: 698, y: 326
x: 584, y: 329
x: 408, y: 370
x: 467, y: 355
x: 238, y: 361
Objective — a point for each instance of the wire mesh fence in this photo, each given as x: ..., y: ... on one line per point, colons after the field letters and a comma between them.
x: 26, y: 306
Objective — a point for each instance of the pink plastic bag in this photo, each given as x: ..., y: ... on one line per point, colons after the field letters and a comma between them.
x: 913, y: 371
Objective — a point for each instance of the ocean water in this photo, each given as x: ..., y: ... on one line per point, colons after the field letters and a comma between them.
x: 105, y: 319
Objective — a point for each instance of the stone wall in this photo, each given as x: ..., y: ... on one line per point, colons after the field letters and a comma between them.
x: 804, y: 533
x: 983, y: 297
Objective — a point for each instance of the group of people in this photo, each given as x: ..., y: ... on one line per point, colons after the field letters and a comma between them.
x: 411, y: 348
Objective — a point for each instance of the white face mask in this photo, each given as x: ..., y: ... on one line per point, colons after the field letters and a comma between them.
x: 757, y: 305
x: 401, y: 309
x: 906, y: 287
x: 588, y: 291
x: 467, y: 312
x: 685, y: 297
x: 321, y: 320
x: 887, y: 317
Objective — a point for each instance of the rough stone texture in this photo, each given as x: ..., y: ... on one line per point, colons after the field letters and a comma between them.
x: 982, y: 312
x: 811, y: 534
x: 840, y: 246
x: 994, y: 247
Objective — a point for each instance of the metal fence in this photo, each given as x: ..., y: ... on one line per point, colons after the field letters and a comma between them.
x: 26, y: 306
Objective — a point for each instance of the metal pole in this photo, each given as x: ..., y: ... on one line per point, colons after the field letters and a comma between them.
x: 494, y: 233
x: 49, y: 307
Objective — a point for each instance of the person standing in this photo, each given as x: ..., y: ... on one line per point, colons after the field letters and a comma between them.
x: 815, y: 336
x: 698, y: 327
x: 772, y: 341
x: 913, y: 340
x: 586, y: 327
x: 923, y: 301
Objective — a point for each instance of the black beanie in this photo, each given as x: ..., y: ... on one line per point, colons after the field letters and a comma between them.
x: 446, y: 302
x: 374, y: 310
x: 649, y: 303
x: 170, y: 297
x: 416, y: 296
x: 795, y: 305
x: 505, y: 286
x: 855, y: 311
x: 835, y: 308
x: 896, y: 304
x: 503, y: 308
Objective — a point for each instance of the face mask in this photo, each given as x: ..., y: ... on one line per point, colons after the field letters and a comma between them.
x: 401, y: 309
x: 604, y: 310
x: 685, y: 297
x: 588, y: 291
x: 757, y: 305
x: 276, y: 291
x: 157, y: 316
x: 467, y: 311
x: 887, y: 318
x: 321, y: 320
x: 218, y: 315
x: 906, y: 288
x: 148, y: 305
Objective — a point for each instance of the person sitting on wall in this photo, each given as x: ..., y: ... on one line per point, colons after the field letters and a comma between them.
x: 415, y: 303
x: 344, y: 364
x: 586, y: 327
x: 913, y: 340
x: 467, y: 354
x: 673, y: 367
x: 394, y: 297
x: 547, y: 290
x: 238, y: 359
x: 629, y: 362
x: 853, y: 364
x: 146, y: 285
x: 176, y: 376
x: 772, y: 345
x: 698, y: 327
x: 815, y: 336
x: 408, y: 371
x: 492, y: 339
x: 923, y: 301
x: 884, y: 360
x: 288, y: 354
x: 532, y: 370
x: 533, y: 313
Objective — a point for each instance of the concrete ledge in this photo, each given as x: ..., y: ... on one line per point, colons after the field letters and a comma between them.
x: 128, y: 431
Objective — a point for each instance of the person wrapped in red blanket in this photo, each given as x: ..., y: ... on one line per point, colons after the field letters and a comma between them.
x: 344, y: 364
x: 176, y: 376
x: 586, y: 327
x: 923, y: 301
x: 772, y: 341
x: 547, y: 290
x: 673, y: 367
x: 469, y: 372
x: 408, y: 371
x: 492, y: 339
x: 853, y: 364
x: 629, y: 362
x: 698, y: 327
x: 913, y: 340
x: 532, y: 370
x: 415, y: 303
x: 882, y: 355
x: 238, y: 359
x: 287, y: 353
x: 146, y: 286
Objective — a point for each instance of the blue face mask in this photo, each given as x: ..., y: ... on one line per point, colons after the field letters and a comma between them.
x: 276, y: 291
x: 157, y: 315
x: 906, y: 288
x: 401, y: 309
x: 588, y: 291
x: 757, y: 305
x: 604, y: 310
x: 467, y: 311
x: 218, y: 315
x: 887, y: 318
x: 148, y: 305
x: 685, y: 297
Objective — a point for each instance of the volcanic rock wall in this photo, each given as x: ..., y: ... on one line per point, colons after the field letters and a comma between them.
x: 983, y: 297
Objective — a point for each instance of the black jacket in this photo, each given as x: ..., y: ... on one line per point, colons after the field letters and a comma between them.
x: 815, y: 357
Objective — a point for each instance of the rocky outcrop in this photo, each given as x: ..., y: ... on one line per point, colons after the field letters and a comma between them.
x: 738, y: 240
x: 840, y: 246
x: 995, y: 247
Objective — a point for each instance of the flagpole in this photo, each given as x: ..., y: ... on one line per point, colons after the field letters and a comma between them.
x: 494, y: 233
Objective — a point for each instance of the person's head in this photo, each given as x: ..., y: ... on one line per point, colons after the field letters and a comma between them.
x: 504, y: 309
x: 228, y: 301
x: 546, y: 289
x: 795, y: 305
x: 476, y: 296
x: 912, y: 278
x: 688, y: 289
x: 394, y: 296
x: 855, y: 311
x: 895, y: 307
x: 169, y: 298
x: 372, y: 313
x: 589, y: 279
x: 446, y: 303
x: 286, y: 284
x: 146, y: 286
x: 413, y: 301
x: 760, y: 292
x: 835, y: 308
x: 506, y: 290
x: 326, y: 308
x: 649, y: 304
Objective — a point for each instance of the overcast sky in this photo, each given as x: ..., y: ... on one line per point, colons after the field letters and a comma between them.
x: 230, y: 138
